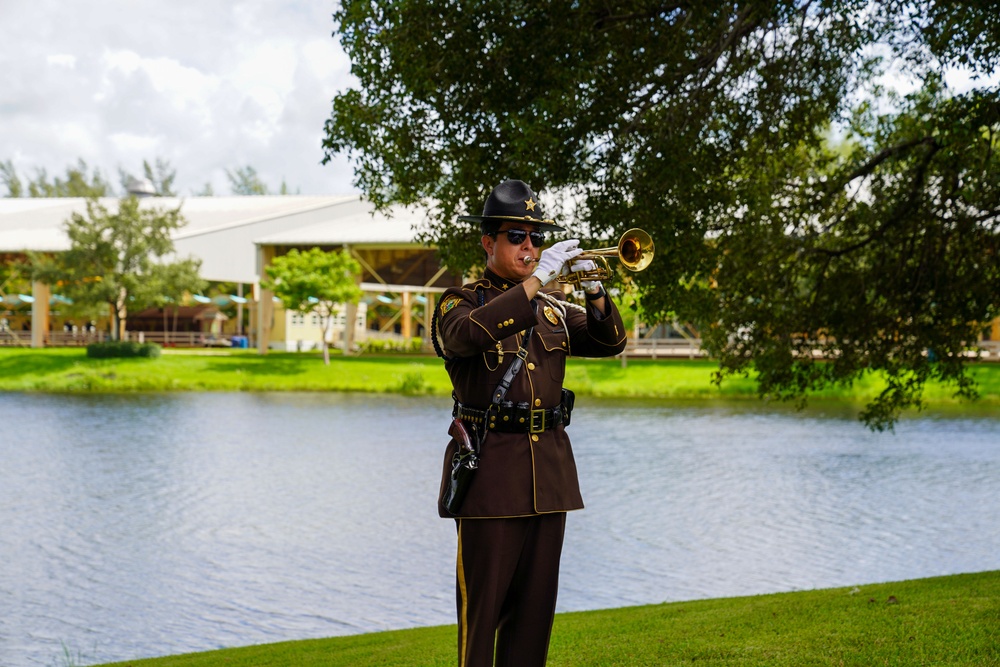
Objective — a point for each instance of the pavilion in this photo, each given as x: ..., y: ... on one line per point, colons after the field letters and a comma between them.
x: 236, y: 237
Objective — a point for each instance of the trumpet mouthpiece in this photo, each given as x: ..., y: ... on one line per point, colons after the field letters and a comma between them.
x: 528, y: 259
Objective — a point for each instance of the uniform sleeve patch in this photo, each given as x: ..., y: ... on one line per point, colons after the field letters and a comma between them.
x: 449, y: 303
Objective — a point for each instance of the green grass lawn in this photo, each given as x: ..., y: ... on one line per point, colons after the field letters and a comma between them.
x: 940, y: 621
x: 69, y: 370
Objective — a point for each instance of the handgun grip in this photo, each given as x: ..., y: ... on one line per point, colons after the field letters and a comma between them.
x: 459, y: 433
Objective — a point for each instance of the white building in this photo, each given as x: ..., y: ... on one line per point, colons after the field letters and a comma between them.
x: 236, y: 237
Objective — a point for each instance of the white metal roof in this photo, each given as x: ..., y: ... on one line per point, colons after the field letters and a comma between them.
x: 355, y: 223
x: 223, y: 231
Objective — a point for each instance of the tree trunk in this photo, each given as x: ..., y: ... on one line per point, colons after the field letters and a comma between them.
x: 121, y: 314
x: 115, y: 322
x: 327, y: 322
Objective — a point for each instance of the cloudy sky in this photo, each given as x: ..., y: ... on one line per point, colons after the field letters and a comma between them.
x: 207, y: 85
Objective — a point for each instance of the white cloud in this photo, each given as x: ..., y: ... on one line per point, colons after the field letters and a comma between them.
x: 207, y: 85
x: 62, y: 60
x: 125, y: 142
x: 962, y: 80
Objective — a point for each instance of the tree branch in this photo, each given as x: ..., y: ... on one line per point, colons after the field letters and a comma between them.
x: 608, y: 19
x: 886, y: 153
x: 904, y: 207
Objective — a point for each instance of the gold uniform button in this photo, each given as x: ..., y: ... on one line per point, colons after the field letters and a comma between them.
x: 510, y: 321
x: 500, y: 326
x: 534, y: 438
x: 564, y: 343
x: 531, y: 366
x: 538, y: 402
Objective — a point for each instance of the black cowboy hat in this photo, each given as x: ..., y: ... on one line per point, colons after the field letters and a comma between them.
x: 513, y: 201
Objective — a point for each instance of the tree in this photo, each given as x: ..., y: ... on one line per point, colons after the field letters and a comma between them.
x: 10, y: 179
x: 79, y: 182
x: 245, y: 181
x: 796, y: 206
x: 314, y: 281
x: 170, y: 283
x: 113, y: 256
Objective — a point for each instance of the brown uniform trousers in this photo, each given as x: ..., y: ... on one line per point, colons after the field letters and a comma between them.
x: 511, y: 523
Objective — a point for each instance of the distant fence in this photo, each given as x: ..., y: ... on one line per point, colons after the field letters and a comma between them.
x: 673, y: 348
x: 10, y: 338
x: 178, y: 338
x: 651, y: 348
x: 15, y: 338
x: 989, y: 350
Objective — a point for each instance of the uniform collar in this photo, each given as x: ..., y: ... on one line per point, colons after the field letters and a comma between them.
x: 497, y: 282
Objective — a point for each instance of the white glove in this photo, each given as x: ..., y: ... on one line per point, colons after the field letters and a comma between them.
x: 591, y: 286
x: 552, y: 260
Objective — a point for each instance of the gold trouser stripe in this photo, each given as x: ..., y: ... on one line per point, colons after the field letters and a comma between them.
x: 464, y: 620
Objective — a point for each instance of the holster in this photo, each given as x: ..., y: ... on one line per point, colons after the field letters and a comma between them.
x: 464, y: 463
x: 568, y: 399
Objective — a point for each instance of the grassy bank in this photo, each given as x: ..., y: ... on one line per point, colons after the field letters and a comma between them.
x: 69, y: 370
x: 940, y: 621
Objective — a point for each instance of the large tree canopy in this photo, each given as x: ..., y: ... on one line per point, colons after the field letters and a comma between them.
x: 796, y: 207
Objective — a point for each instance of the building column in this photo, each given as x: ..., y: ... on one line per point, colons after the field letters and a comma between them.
x: 239, y: 310
x: 265, y: 300
x: 350, y: 314
x: 406, y: 324
x: 350, y: 317
x: 40, y: 313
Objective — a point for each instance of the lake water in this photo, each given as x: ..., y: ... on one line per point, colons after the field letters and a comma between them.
x: 146, y: 525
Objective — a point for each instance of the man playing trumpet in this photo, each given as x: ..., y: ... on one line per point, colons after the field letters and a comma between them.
x: 505, y: 339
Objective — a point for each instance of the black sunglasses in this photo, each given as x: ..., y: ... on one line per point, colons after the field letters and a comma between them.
x: 517, y: 236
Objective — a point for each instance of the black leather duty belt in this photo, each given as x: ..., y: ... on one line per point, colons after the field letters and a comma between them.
x: 512, y: 417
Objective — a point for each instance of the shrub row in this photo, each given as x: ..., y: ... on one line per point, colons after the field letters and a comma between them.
x: 378, y: 346
x: 122, y: 349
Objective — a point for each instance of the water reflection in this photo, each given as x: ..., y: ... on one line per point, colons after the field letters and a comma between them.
x: 735, y: 500
x: 157, y: 524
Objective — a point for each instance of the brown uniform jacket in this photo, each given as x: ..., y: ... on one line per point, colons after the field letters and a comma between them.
x: 519, y: 474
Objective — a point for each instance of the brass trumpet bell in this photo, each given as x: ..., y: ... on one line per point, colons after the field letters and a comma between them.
x: 635, y: 251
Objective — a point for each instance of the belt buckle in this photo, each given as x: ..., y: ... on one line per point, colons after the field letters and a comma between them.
x: 539, y: 425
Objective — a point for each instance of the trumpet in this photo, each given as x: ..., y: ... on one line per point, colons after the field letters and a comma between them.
x: 635, y: 251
